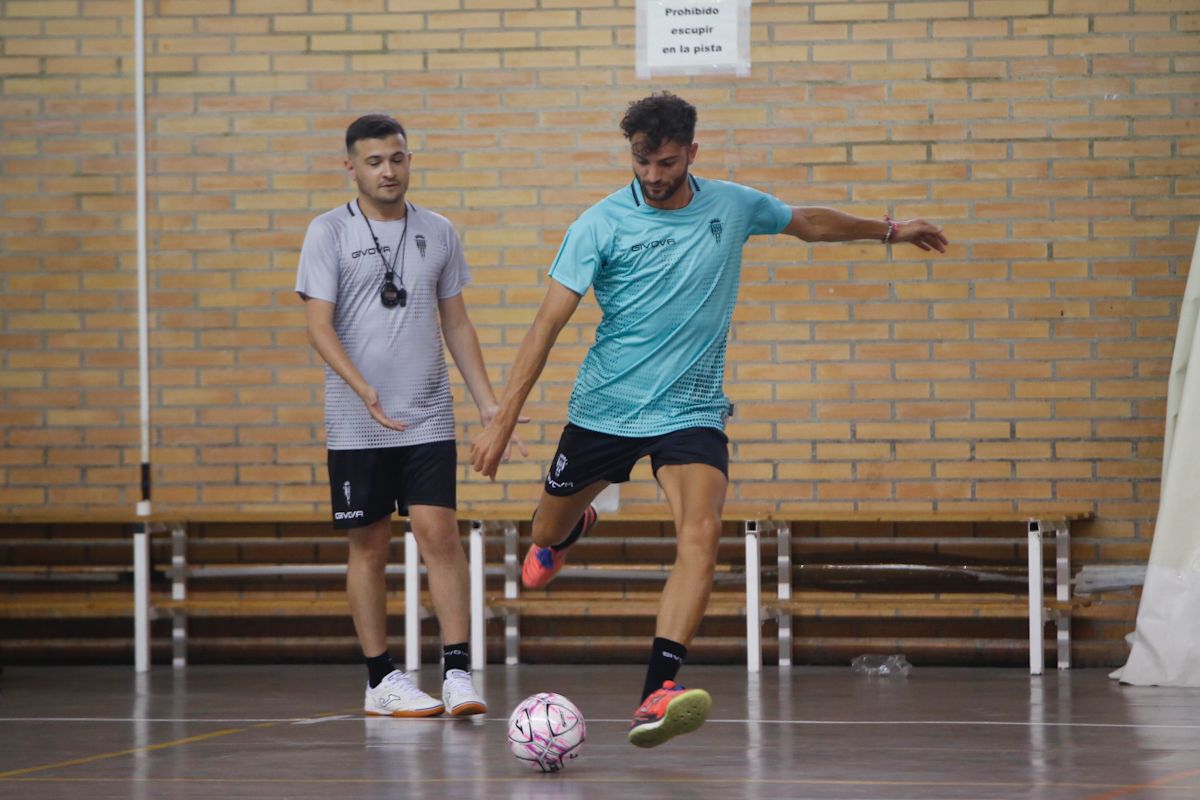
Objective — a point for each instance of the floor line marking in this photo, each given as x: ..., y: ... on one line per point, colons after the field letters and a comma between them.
x: 1154, y: 785
x: 117, y: 754
x: 634, y: 779
x: 726, y: 721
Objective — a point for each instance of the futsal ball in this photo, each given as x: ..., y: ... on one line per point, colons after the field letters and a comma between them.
x: 546, y: 731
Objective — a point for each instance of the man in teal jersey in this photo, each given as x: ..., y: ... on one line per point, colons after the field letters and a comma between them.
x: 663, y: 256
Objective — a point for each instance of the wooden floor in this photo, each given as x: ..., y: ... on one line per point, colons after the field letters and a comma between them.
x: 295, y: 732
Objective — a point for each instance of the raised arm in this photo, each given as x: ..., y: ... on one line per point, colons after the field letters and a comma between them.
x: 318, y: 319
x: 556, y: 309
x: 818, y: 224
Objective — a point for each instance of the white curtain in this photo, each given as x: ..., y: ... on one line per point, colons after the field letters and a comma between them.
x: 1166, y: 642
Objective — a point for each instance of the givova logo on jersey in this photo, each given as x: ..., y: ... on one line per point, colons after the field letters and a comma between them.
x: 650, y: 244
x: 370, y: 251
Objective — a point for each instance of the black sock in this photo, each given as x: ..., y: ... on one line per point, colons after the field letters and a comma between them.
x: 573, y: 536
x: 456, y: 656
x: 378, y: 668
x: 666, y: 657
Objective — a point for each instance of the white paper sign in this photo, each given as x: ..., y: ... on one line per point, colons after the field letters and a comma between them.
x: 690, y: 37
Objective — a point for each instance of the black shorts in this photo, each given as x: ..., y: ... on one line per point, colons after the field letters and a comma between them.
x: 584, y: 456
x: 367, y: 485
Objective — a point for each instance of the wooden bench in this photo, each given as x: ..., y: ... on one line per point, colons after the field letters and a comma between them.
x: 1048, y: 526
x: 784, y: 606
x: 503, y: 522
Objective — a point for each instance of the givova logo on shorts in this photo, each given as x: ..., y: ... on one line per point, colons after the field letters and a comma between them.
x: 559, y: 465
x: 348, y: 514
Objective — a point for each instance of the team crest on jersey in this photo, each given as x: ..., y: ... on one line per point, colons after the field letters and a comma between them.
x: 714, y: 227
x: 421, y: 244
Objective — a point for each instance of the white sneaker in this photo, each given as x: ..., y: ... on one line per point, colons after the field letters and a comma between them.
x: 459, y: 695
x: 397, y: 696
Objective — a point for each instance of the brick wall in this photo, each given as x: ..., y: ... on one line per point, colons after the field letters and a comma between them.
x: 1055, y: 139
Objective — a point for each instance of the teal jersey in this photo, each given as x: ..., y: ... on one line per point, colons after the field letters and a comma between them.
x: 666, y: 282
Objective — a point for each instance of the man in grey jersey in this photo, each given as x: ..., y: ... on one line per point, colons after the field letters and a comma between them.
x: 377, y: 275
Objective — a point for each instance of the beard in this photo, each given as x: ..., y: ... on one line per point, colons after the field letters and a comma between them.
x: 665, y: 193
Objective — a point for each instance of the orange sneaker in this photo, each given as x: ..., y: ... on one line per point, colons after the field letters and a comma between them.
x: 543, y: 563
x: 667, y: 713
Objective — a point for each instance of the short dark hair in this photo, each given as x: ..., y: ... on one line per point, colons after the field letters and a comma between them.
x: 661, y: 117
x: 372, y: 126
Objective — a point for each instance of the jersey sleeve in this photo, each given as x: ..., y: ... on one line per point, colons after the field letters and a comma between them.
x: 455, y: 274
x: 579, y: 257
x: 317, y: 274
x: 768, y: 214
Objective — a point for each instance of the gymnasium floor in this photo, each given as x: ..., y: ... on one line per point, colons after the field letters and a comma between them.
x: 294, y: 732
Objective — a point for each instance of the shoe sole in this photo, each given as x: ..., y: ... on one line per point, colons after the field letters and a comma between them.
x: 685, y: 713
x: 468, y: 710
x: 425, y: 712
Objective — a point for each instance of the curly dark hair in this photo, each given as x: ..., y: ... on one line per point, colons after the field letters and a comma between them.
x: 661, y: 117
x: 372, y: 126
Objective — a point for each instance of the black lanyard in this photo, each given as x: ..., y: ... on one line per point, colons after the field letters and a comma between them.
x: 389, y: 294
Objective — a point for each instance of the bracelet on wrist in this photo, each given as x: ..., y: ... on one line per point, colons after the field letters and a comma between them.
x: 893, y: 226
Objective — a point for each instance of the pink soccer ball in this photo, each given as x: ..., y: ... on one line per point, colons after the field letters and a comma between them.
x: 546, y: 731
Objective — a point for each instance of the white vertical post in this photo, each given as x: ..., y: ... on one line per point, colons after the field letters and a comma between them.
x: 179, y: 571
x: 753, y: 600
x: 412, y: 603
x: 512, y: 620
x: 478, y: 639
x: 784, y: 593
x: 141, y: 599
x: 1062, y: 591
x: 1037, y: 658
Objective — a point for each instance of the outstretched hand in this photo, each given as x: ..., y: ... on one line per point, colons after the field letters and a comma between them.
x: 921, y: 233
x: 370, y: 399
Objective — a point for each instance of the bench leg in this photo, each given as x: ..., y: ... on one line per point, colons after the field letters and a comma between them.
x: 753, y: 599
x: 784, y: 593
x: 412, y: 603
x: 1062, y: 591
x: 512, y: 621
x: 478, y: 639
x: 1037, y: 658
x: 141, y: 599
x: 179, y: 571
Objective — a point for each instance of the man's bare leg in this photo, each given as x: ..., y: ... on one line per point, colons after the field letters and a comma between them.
x: 696, y: 493
x: 556, y: 516
x: 436, y: 530
x: 366, y: 587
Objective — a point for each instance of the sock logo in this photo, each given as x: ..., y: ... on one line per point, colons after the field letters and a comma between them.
x: 672, y: 656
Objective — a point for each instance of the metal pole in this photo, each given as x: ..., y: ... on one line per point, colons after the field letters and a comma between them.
x: 141, y: 539
x: 478, y: 639
x: 753, y: 600
x: 412, y: 604
x: 1037, y: 658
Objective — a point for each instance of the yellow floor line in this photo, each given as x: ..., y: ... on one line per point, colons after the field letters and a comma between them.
x: 147, y: 749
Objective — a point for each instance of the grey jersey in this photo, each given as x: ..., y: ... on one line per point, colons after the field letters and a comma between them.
x: 398, y: 350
